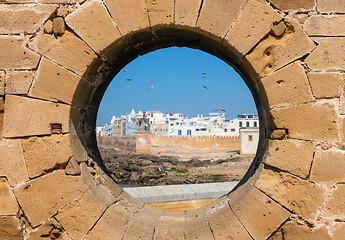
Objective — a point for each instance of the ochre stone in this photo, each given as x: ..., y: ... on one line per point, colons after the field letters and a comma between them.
x: 196, y: 226
x: 331, y: 6
x: 10, y: 228
x: 18, y: 82
x: 94, y: 25
x: 329, y: 55
x: 288, y: 86
x: 335, y: 205
x: 257, y: 16
x: 128, y: 15
x: 339, y: 231
x: 328, y: 167
x: 15, y: 19
x: 2, y: 83
x: 293, y: 156
x: 321, y: 119
x: 43, y: 197
x: 58, y: 26
x: 294, y: 4
x: 67, y: 50
x: 160, y: 12
x: 278, y: 134
x: 325, y: 85
x: 72, y: 167
x: 300, y: 196
x: 186, y: 12
x: 12, y: 164
x: 279, y: 29
x: 9, y: 205
x: 27, y: 117
x: 325, y: 25
x: 273, y: 53
x: 62, y: 11
x: 170, y: 226
x: 216, y: 16
x: 14, y: 54
x: 142, y: 226
x: 48, y: 27
x: 259, y: 214
x: 43, y: 154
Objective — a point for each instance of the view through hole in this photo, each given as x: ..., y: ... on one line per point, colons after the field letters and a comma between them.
x: 178, y: 117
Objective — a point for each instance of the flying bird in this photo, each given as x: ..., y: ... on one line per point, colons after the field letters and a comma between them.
x: 126, y: 70
x: 150, y: 87
x: 205, y: 87
x: 204, y: 76
x: 219, y: 110
x: 147, y: 82
x: 204, y: 73
x: 129, y: 79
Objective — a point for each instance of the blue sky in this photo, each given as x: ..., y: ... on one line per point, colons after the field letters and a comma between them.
x: 176, y: 75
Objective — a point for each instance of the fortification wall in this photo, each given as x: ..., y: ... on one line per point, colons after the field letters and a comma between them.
x: 125, y: 143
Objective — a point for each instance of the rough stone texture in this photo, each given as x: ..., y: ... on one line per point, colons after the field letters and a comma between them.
x: 300, y: 196
x: 217, y: 15
x: 292, y: 230
x: 257, y: 16
x: 339, y: 231
x: 10, y: 228
x: 187, y: 12
x: 72, y: 167
x: 67, y: 50
x: 2, y: 83
x: 272, y: 53
x: 27, y: 117
x: 62, y: 11
x: 43, y: 154
x: 44, y: 196
x: 19, y: 82
x: 51, y: 228
x: 12, y: 163
x: 160, y: 11
x: 80, y: 216
x: 14, y: 55
x: 170, y: 226
x: 342, y: 94
x: 15, y: 19
x: 321, y: 119
x: 196, y: 226
x: 325, y: 85
x: 328, y: 167
x: 223, y: 222
x: 325, y: 25
x: 58, y: 84
x: 112, y: 224
x: 9, y: 205
x: 288, y: 86
x: 58, y: 26
x: 293, y: 156
x: 142, y: 227
x: 94, y: 25
x: 294, y: 4
x: 259, y: 214
x: 279, y: 29
x: 329, y: 55
x: 331, y: 6
x: 128, y: 15
x: 278, y: 134
x: 335, y: 206
x: 48, y: 27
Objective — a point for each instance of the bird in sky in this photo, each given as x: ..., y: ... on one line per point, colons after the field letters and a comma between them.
x: 204, y: 76
x: 126, y: 70
x: 129, y: 79
x: 219, y: 110
x: 147, y: 82
x: 205, y: 87
x: 204, y: 73
x: 150, y: 87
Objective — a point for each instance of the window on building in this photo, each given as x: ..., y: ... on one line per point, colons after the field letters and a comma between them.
x: 250, y: 138
x: 179, y: 132
x: 197, y: 129
x: 247, y: 124
x: 203, y: 129
x: 225, y: 130
x: 255, y: 124
x: 232, y: 129
x: 240, y: 124
x: 189, y: 132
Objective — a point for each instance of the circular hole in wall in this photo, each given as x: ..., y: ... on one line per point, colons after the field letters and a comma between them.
x: 180, y: 119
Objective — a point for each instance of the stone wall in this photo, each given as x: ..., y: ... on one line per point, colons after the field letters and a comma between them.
x: 125, y: 143
x: 57, y: 58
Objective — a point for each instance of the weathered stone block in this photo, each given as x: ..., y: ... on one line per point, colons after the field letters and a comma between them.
x: 294, y: 4
x: 196, y: 226
x: 223, y: 222
x: 273, y: 52
x: 293, y: 156
x: 19, y: 82
x: 287, y: 86
x: 48, y: 27
x: 27, y: 117
x: 130, y: 203
x: 2, y: 83
x: 328, y: 55
x: 105, y: 227
x: 14, y: 54
x: 325, y: 25
x: 300, y: 196
x: 9, y: 205
x: 72, y: 167
x: 339, y: 231
x: 257, y: 16
x: 279, y: 29
x: 79, y: 217
x: 259, y: 214
x: 58, y: 84
x: 51, y: 228
x: 342, y: 94
x: 331, y: 6
x: 17, y: 19
x: 170, y: 226
x: 335, y: 206
x: 43, y: 154
x: 325, y: 85
x: 67, y: 50
x: 143, y: 224
x: 58, y: 26
x: 129, y: 16
x: 216, y: 16
x: 186, y: 12
x: 12, y: 164
x: 321, y: 118
x: 10, y: 228
x: 328, y: 167
x: 43, y: 197
x: 160, y: 12
x: 94, y: 25
x: 278, y: 134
